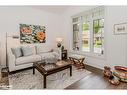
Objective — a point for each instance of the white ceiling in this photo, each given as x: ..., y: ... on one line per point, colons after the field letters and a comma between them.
x: 54, y: 9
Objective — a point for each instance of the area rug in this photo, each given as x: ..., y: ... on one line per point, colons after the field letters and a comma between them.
x: 26, y: 79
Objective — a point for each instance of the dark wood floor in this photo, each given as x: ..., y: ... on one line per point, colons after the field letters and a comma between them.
x: 95, y: 80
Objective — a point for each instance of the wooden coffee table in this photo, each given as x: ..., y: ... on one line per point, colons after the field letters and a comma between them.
x: 49, y: 68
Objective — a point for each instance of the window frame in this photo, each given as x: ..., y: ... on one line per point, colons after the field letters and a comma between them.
x: 101, y: 36
x: 91, y: 53
x: 78, y: 22
x: 82, y: 35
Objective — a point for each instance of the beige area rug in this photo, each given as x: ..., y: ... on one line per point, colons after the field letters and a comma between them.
x: 60, y: 80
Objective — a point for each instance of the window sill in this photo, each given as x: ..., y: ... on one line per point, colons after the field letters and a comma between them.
x: 89, y: 54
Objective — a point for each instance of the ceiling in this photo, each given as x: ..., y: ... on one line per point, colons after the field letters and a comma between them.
x: 54, y: 9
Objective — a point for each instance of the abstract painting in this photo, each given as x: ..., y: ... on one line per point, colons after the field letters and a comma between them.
x: 32, y: 33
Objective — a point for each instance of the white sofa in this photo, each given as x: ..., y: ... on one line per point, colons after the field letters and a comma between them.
x: 40, y: 54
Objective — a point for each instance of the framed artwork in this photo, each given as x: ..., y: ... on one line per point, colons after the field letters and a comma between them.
x: 120, y: 28
x: 32, y: 33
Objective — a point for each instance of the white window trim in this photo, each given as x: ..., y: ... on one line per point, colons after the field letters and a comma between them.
x: 91, y: 53
x: 82, y: 31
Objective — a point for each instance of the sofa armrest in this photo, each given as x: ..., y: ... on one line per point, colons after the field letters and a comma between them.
x: 58, y: 51
x: 11, y: 60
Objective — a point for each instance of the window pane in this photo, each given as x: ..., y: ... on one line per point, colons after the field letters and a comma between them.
x: 75, y: 27
x: 86, y: 37
x: 95, y: 23
x: 75, y: 19
x: 76, y: 37
x: 101, y: 22
x: 98, y: 36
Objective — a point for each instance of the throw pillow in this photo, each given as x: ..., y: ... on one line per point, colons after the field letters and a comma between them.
x: 17, y: 52
x: 42, y: 49
x: 27, y: 50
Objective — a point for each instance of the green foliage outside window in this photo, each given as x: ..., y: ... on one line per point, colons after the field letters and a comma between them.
x: 98, y: 24
x: 85, y: 26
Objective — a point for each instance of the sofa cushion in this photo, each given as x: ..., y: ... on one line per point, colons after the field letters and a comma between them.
x: 47, y: 55
x: 17, y: 52
x: 43, y: 49
x: 28, y: 59
x: 27, y: 50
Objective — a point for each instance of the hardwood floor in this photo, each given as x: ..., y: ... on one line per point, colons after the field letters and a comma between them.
x: 95, y: 80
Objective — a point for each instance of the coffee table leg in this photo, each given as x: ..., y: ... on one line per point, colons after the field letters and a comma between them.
x: 70, y: 70
x: 44, y: 82
x: 33, y: 70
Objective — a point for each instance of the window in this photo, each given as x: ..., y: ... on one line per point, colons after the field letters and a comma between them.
x: 88, y: 31
x: 98, y: 28
x: 86, y: 37
x: 76, y: 37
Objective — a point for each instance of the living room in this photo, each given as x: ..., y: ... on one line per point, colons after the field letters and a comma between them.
x: 59, y: 28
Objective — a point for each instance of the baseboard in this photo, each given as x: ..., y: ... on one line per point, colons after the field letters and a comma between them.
x: 94, y: 69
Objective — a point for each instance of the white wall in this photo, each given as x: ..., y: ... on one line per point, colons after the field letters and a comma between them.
x: 11, y: 17
x: 60, y: 25
x: 115, y: 45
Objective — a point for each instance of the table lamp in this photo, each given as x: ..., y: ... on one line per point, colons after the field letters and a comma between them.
x: 59, y: 41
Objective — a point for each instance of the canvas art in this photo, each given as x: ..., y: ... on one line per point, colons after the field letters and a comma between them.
x: 32, y: 33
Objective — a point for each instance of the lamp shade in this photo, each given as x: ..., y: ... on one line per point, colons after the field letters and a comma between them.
x: 59, y: 40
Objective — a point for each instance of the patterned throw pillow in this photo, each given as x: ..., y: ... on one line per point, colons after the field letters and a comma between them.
x: 17, y: 52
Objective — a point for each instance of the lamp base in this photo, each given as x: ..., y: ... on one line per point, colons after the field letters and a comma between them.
x: 59, y: 45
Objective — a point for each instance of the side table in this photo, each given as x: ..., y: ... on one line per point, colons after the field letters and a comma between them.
x: 64, y: 55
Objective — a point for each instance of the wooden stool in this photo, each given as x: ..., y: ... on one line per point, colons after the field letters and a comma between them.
x: 77, y: 60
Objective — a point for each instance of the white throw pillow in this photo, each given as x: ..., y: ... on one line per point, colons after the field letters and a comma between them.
x: 27, y: 50
x: 42, y: 49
